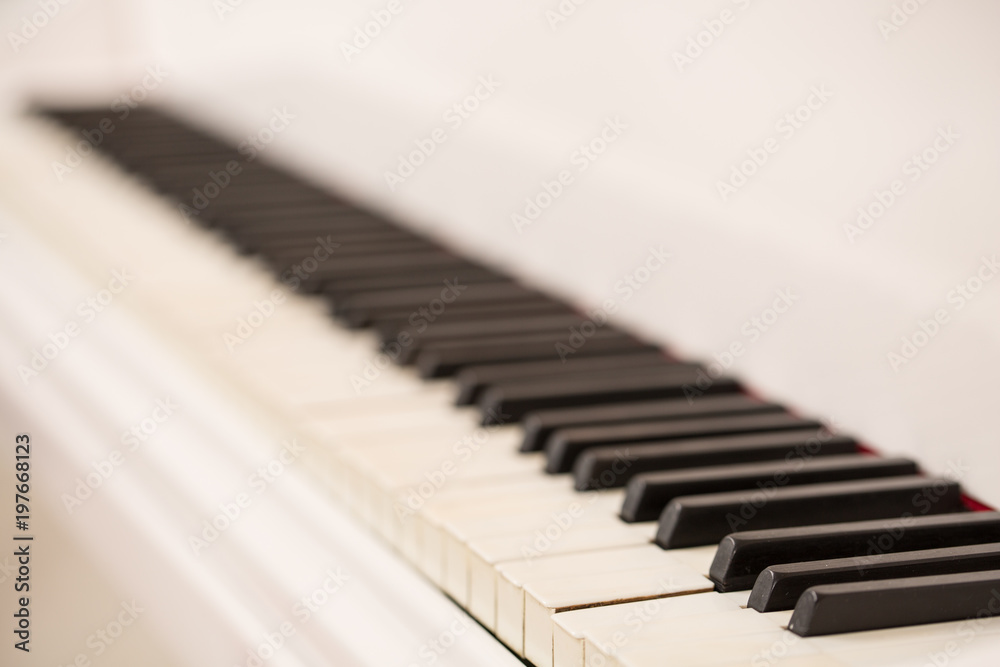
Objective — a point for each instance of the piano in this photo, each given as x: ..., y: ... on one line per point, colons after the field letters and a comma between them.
x: 570, y: 364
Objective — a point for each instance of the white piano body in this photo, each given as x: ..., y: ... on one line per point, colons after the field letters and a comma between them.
x: 741, y: 138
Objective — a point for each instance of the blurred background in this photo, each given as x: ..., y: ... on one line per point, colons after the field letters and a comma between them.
x: 822, y: 178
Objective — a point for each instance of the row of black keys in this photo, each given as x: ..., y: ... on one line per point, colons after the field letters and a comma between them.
x: 799, y: 514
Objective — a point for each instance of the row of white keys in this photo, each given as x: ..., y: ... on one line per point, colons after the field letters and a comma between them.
x: 464, y: 536
x: 531, y: 591
x: 505, y: 515
x: 936, y: 644
x: 420, y: 535
x: 702, y: 629
x: 491, y: 499
x: 553, y: 517
x: 429, y: 461
x: 400, y: 413
x: 407, y: 499
x: 716, y: 629
x: 487, y: 554
x: 362, y: 455
x: 732, y: 638
x: 476, y: 551
x: 611, y: 627
x: 351, y: 428
x: 453, y: 455
x: 498, y: 520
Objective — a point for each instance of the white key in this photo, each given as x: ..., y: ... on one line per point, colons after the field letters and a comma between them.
x: 493, y: 498
x: 372, y: 453
x: 425, y: 396
x: 715, y: 651
x: 516, y: 513
x: 402, y: 476
x: 363, y: 430
x: 463, y: 497
x: 544, y: 598
x: 414, y: 460
x: 699, y: 558
x: 406, y: 511
x: 613, y: 626
x: 745, y: 640
x: 560, y: 514
x: 395, y: 506
x: 662, y: 632
x: 485, y: 554
x: 808, y: 660
x: 592, y: 566
x: 933, y: 644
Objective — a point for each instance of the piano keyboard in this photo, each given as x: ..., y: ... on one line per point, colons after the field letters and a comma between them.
x: 587, y: 497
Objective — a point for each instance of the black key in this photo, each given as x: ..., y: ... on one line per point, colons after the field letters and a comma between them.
x: 305, y: 270
x: 600, y: 467
x: 487, y: 327
x: 648, y: 493
x: 178, y: 151
x: 363, y: 307
x: 742, y: 556
x: 472, y: 381
x: 269, y: 217
x: 389, y: 324
x: 284, y: 219
x: 871, y: 605
x: 246, y: 190
x: 228, y: 207
x: 539, y: 425
x: 313, y: 264
x: 305, y: 232
x: 283, y: 257
x: 566, y: 445
x: 250, y: 189
x: 519, y: 398
x: 191, y: 184
x: 779, y: 586
x: 449, y: 290
x: 336, y: 290
x: 266, y: 219
x: 692, y: 521
x: 177, y: 173
x: 445, y: 359
x: 356, y: 267
x: 395, y: 321
x: 310, y: 233
x: 263, y: 225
